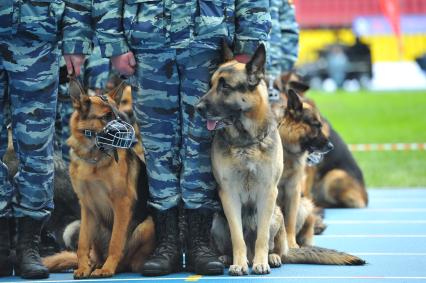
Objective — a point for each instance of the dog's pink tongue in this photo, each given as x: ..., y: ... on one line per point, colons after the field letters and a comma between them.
x: 211, y: 125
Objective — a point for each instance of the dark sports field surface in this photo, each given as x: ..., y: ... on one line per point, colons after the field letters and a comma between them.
x: 390, y: 235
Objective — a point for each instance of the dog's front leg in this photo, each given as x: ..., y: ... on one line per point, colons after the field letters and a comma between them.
x: 265, y: 208
x: 122, y: 214
x: 232, y: 208
x: 85, y: 241
x: 291, y: 207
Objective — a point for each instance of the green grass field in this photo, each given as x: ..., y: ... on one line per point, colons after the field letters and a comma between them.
x: 381, y: 117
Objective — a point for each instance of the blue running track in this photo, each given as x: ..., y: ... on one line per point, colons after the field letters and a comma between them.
x: 390, y: 235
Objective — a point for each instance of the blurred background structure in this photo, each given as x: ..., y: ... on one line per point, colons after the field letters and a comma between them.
x: 380, y: 43
x: 365, y: 61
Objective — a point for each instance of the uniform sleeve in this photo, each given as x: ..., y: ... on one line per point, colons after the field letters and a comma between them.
x: 289, y: 36
x: 108, y: 19
x: 76, y: 27
x: 253, y: 23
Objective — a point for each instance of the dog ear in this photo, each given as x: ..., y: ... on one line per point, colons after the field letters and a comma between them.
x: 227, y: 54
x: 300, y: 87
x: 255, y: 68
x: 80, y: 100
x: 117, y: 93
x: 294, y: 104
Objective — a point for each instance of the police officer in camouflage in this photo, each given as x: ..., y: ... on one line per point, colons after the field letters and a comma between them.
x: 171, y: 47
x: 283, y: 39
x: 29, y: 60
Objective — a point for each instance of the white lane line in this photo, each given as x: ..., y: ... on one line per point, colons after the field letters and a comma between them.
x: 230, y: 278
x: 362, y: 222
x: 387, y: 254
x: 422, y: 200
x: 313, y: 277
x: 368, y: 210
x: 100, y: 280
x: 372, y: 236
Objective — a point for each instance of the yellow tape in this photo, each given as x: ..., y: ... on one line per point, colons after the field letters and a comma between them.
x: 193, y: 278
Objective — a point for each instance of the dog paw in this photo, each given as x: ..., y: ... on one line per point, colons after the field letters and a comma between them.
x: 226, y: 260
x: 261, y: 268
x: 102, y: 273
x: 274, y: 260
x: 238, y: 270
x: 82, y: 273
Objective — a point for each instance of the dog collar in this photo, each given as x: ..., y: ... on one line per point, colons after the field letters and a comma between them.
x: 255, y: 140
x: 92, y: 161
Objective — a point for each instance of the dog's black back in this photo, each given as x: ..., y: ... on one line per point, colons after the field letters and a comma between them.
x: 339, y: 158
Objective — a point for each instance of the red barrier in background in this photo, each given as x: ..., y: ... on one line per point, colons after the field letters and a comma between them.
x: 341, y: 13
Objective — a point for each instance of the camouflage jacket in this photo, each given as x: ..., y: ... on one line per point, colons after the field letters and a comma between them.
x: 49, y: 20
x: 151, y: 24
x: 284, y: 37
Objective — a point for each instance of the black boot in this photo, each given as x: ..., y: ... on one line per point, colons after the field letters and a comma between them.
x: 167, y: 256
x: 6, y: 266
x: 200, y: 257
x: 29, y: 265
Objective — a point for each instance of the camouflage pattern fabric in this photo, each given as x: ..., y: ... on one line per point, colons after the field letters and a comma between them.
x: 96, y: 70
x: 29, y: 60
x: 176, y: 44
x: 283, y: 39
x: 175, y: 138
x: 33, y: 102
x: 150, y: 24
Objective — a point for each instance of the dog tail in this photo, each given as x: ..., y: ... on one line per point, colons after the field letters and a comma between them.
x: 61, y: 262
x: 318, y: 255
x: 339, y: 189
x: 70, y: 235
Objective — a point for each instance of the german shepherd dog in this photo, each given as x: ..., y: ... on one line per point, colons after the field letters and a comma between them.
x: 302, y: 132
x: 116, y: 232
x: 247, y: 161
x: 337, y: 181
x: 68, y: 234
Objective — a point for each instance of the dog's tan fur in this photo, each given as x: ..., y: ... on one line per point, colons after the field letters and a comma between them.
x: 112, y: 239
x: 336, y: 181
x: 299, y: 122
x: 247, y: 161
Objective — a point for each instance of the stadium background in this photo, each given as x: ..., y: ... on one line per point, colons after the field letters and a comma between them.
x: 390, y: 111
x: 320, y: 20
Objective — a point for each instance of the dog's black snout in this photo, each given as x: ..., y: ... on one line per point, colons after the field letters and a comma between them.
x: 201, y: 107
x: 330, y: 146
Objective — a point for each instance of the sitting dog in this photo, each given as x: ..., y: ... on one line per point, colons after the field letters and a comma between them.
x: 337, y: 180
x: 301, y: 132
x: 246, y: 158
x: 116, y: 231
x: 247, y: 161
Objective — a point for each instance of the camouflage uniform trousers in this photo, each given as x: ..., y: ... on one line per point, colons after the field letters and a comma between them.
x: 175, y: 138
x: 5, y: 113
x: 29, y: 73
x: 62, y: 129
x: 283, y: 44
